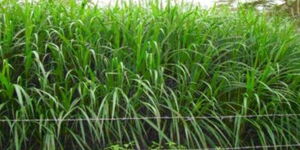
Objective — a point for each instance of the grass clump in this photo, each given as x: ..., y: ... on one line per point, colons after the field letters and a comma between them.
x: 67, y: 60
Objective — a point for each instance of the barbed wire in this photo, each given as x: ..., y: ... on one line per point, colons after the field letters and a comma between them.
x: 256, y: 147
x: 189, y: 118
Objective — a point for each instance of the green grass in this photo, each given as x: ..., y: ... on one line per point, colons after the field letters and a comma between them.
x: 66, y: 60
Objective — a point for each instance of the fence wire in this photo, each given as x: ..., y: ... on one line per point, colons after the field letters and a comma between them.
x: 255, y: 147
x: 189, y: 118
x: 258, y: 147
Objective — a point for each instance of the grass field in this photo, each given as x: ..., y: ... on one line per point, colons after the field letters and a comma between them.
x: 67, y: 60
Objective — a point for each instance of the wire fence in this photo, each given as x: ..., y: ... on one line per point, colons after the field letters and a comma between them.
x: 259, y: 147
x: 189, y: 118
x: 255, y: 147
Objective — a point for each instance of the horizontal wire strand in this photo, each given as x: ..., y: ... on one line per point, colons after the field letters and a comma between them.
x: 259, y: 147
x: 256, y: 147
x: 148, y: 118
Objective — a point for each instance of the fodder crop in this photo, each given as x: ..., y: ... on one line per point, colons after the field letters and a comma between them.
x: 69, y: 60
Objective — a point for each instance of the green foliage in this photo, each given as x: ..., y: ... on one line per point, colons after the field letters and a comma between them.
x: 67, y: 60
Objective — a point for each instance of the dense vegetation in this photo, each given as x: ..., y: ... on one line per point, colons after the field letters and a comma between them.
x: 66, y: 60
